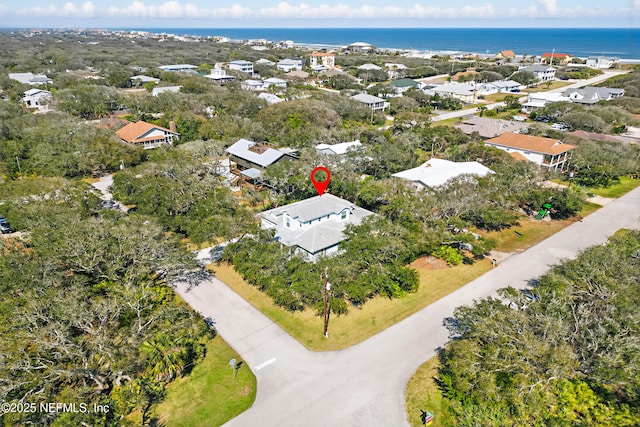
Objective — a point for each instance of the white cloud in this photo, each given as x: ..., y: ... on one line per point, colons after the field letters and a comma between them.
x: 68, y: 10
x: 181, y: 9
x: 549, y: 6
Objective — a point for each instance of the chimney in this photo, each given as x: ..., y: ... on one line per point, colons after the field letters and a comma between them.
x: 172, y: 126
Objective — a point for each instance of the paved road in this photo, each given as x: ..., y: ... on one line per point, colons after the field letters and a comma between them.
x: 580, y: 83
x: 364, y: 385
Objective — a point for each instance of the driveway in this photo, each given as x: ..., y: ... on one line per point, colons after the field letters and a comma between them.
x: 364, y: 385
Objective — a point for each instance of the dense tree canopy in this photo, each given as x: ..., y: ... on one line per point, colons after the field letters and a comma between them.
x: 84, y: 300
x: 565, y: 355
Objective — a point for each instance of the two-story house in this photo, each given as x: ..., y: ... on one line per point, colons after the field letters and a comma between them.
x: 244, y: 66
x: 314, y: 227
x: 543, y: 73
x: 590, y: 95
x: 322, y: 58
x: 547, y: 152
x: 290, y: 64
x: 148, y: 135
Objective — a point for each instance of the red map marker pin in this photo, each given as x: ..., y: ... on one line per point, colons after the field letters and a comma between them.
x: 320, y: 186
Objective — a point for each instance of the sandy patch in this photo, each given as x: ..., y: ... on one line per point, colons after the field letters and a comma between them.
x: 429, y: 263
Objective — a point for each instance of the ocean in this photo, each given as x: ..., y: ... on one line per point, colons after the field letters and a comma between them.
x: 580, y: 42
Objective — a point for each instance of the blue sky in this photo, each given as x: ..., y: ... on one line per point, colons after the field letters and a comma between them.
x: 318, y: 13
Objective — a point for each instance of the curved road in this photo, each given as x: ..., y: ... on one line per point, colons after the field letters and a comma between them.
x: 364, y: 385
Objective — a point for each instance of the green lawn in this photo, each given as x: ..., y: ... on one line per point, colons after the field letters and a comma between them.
x: 555, y: 84
x: 626, y: 184
x: 360, y: 323
x: 422, y: 393
x: 209, y: 395
x: 530, y: 232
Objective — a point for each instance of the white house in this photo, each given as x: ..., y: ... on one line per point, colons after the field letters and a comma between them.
x: 339, y: 149
x: 543, y: 73
x: 601, y: 62
x: 219, y: 75
x: 507, y: 86
x: 36, y: 99
x: 369, y: 67
x: 547, y: 152
x: 244, y: 66
x: 325, y: 59
x: 272, y: 81
x: 437, y: 172
x: 461, y: 91
x: 290, y: 64
x: 142, y: 80
x: 264, y: 61
x: 314, y: 226
x: 590, y: 95
x: 253, y: 85
x: 395, y: 71
x: 371, y: 101
x: 537, y: 100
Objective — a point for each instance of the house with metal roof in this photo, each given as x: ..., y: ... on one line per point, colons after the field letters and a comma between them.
x: 184, y: 68
x: 437, y: 172
x: 252, y: 158
x: 30, y: 78
x: 371, y: 101
x: 369, y: 67
x: 339, y: 149
x: 547, y: 152
x: 148, y: 135
x: 141, y: 80
x: 314, y: 227
x: 37, y: 99
x: 165, y: 89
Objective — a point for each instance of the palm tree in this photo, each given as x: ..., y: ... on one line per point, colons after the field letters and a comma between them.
x: 166, y: 357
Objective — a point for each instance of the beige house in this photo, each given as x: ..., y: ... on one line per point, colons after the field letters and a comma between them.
x: 547, y: 152
x: 148, y: 135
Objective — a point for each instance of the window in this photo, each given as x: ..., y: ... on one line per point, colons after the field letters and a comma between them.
x: 343, y: 215
x: 287, y: 222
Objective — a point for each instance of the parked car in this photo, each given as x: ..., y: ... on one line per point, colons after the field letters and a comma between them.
x: 560, y: 126
x: 5, y: 227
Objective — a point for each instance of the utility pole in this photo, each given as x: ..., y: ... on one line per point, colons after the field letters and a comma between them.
x: 326, y: 286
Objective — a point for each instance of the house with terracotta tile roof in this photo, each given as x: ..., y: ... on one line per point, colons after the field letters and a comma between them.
x: 556, y: 58
x: 547, y: 152
x: 323, y: 58
x: 147, y: 135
